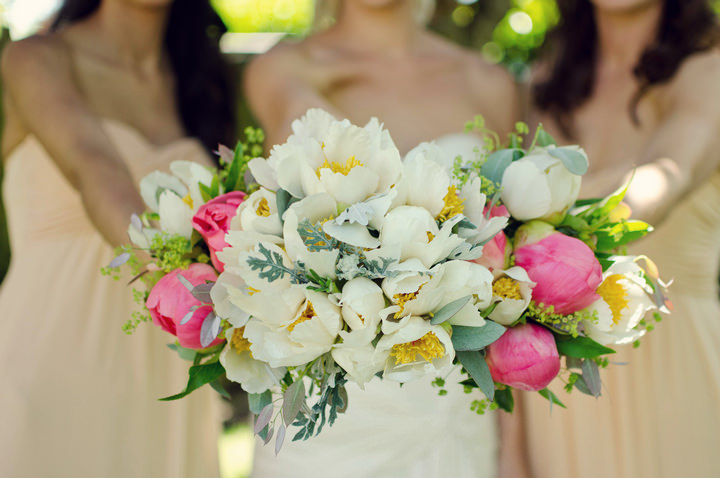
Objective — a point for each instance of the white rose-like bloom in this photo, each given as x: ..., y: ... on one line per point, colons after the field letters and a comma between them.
x: 539, y: 186
x: 175, y: 214
x: 512, y: 291
x: 324, y: 155
x: 311, y: 333
x: 463, y: 278
x: 414, y: 233
x: 414, y: 350
x: 157, y: 181
x: 362, y: 301
x: 625, y: 299
x: 254, y: 376
x: 258, y: 213
x: 192, y: 174
x: 473, y: 201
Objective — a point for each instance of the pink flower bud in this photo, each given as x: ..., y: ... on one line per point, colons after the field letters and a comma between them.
x: 496, y: 252
x: 170, y: 301
x: 212, y: 221
x: 564, y: 269
x: 525, y: 357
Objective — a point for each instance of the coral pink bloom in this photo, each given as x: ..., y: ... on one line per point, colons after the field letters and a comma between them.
x: 212, y: 221
x: 170, y: 301
x: 565, y: 271
x: 525, y: 357
x: 496, y: 252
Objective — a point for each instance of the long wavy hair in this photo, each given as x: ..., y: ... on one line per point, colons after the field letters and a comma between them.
x: 203, y: 89
x: 686, y: 27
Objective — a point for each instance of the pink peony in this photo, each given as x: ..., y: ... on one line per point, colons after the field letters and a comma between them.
x: 525, y: 357
x: 496, y: 252
x: 212, y: 221
x: 564, y: 269
x: 170, y: 301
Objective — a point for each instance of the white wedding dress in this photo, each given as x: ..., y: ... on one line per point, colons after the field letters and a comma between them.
x: 391, y: 431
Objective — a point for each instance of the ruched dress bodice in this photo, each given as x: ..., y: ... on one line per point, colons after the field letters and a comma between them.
x: 79, y: 397
x: 659, y: 416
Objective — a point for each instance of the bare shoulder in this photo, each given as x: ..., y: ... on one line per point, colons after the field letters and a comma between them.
x: 698, y: 80
x: 39, y: 58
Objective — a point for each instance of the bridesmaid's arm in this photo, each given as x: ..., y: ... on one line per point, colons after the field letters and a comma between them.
x: 38, y: 77
x: 683, y: 152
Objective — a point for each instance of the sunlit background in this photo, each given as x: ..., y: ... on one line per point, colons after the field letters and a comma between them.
x: 507, y: 32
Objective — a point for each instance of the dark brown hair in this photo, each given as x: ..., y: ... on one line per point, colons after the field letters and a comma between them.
x: 686, y: 27
x: 204, y: 93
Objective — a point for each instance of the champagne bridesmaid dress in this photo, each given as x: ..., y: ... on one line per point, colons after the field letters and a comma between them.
x: 659, y: 416
x: 78, y: 397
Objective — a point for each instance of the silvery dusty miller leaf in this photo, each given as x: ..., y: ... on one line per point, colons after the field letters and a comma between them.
x: 210, y: 329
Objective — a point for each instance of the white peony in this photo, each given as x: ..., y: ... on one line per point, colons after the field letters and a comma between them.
x: 461, y: 279
x: 324, y: 155
x: 625, y: 298
x: 253, y: 375
x: 258, y: 213
x: 512, y: 292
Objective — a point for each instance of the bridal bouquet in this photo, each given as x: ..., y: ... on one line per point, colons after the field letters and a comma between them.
x: 345, y: 263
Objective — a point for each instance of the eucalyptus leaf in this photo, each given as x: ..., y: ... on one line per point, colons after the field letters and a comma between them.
x: 582, y: 386
x: 477, y: 367
x: 202, y: 292
x: 280, y: 438
x: 591, y: 375
x: 199, y: 375
x: 496, y: 164
x: 476, y: 338
x: 119, y: 260
x: 266, y: 434
x: 543, y: 138
x: 258, y: 401
x: 210, y: 329
x: 580, y: 347
x: 184, y: 353
x: 573, y: 362
x: 186, y: 318
x: 263, y: 418
x: 136, y: 222
x: 188, y: 285
x: 575, y: 161
x: 449, y: 310
x: 293, y: 400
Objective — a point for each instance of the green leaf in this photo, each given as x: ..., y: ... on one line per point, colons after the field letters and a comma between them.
x: 505, y: 400
x: 476, y: 338
x: 477, y: 367
x: 449, y: 310
x: 258, y: 401
x: 546, y: 393
x: 575, y: 161
x: 620, y: 234
x: 199, y: 375
x: 575, y: 222
x: 580, y: 347
x: 293, y: 401
x: 185, y: 354
x: 234, y: 180
x: 205, y: 192
x: 497, y: 163
x: 217, y: 386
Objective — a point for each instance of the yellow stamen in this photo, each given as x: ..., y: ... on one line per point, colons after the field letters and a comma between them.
x: 428, y: 347
x: 431, y: 236
x: 453, y: 205
x: 263, y: 208
x: 188, y: 200
x: 403, y: 299
x: 336, y: 167
x: 307, y: 314
x: 239, y: 343
x: 507, y: 288
x: 252, y: 290
x: 614, y: 294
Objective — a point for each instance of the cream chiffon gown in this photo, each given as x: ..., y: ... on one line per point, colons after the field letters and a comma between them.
x: 659, y: 416
x: 393, y: 432
x: 78, y: 397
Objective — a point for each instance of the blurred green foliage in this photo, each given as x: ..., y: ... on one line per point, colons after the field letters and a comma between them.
x: 291, y: 16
